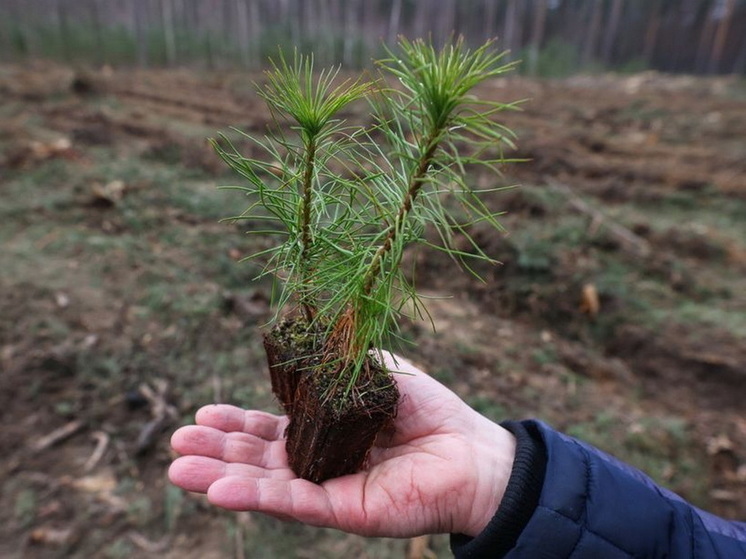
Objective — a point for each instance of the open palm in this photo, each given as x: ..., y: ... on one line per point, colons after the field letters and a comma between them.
x: 444, y: 468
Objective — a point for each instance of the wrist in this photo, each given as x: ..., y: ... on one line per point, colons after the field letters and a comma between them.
x: 519, y: 499
x: 494, y: 450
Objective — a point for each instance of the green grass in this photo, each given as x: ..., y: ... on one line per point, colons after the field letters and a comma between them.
x: 687, y: 278
x: 121, y: 548
x: 26, y: 504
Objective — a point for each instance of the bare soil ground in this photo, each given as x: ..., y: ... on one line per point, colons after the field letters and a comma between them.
x: 618, y: 314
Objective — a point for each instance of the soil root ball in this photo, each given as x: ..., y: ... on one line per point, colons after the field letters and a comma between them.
x: 331, y: 432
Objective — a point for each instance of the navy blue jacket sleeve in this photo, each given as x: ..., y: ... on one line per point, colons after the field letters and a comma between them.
x: 587, y: 504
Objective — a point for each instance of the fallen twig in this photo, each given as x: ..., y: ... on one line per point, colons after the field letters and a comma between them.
x: 243, y: 525
x: 145, y: 544
x: 58, y: 435
x: 628, y: 238
x: 163, y: 413
x: 217, y: 386
x: 55, y: 537
x: 102, y: 443
x: 419, y: 548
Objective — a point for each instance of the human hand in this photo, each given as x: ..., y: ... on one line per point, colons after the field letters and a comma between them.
x: 445, y: 468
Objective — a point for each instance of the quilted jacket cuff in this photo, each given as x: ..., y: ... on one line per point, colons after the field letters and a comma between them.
x: 519, y: 502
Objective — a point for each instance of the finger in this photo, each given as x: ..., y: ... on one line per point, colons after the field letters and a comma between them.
x: 231, y: 418
x: 198, y: 473
x: 297, y: 499
x: 230, y: 447
x: 398, y: 364
x: 408, y: 376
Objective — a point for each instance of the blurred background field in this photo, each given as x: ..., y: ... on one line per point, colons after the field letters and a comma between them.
x: 618, y: 313
x: 553, y: 37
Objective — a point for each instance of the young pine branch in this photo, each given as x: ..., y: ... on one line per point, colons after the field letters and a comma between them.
x: 417, y: 180
x: 307, y: 302
x: 310, y: 101
x: 435, y: 105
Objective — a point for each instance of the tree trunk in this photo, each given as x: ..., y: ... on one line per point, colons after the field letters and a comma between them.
x: 420, y: 18
x: 169, y: 35
x: 739, y: 66
x: 509, y: 25
x: 591, y: 38
x: 612, y: 27
x: 11, y: 38
x: 324, y: 33
x: 242, y: 22
x: 447, y: 16
x: 351, y: 15
x: 513, y: 27
x: 255, y: 31
x: 537, y: 35
x: 62, y: 18
x: 97, y: 23
x: 141, y: 33
x: 394, y: 21
x: 720, y: 36
x: 490, y: 14
x: 651, y: 33
x: 705, y: 41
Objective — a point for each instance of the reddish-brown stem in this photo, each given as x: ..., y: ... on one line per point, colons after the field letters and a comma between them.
x: 416, y: 182
x: 306, y: 301
x: 344, y: 336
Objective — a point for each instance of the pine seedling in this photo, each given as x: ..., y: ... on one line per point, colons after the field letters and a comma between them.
x: 307, y: 192
x: 348, y: 200
x: 432, y: 129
